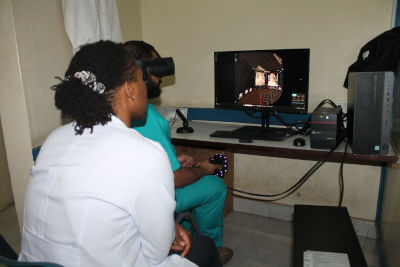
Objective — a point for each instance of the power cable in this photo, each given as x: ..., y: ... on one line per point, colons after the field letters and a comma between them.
x: 316, y: 166
x: 173, y: 121
x: 297, y: 185
x: 341, y: 182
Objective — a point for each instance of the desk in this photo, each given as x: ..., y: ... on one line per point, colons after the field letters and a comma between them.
x: 361, y: 194
x: 284, y: 149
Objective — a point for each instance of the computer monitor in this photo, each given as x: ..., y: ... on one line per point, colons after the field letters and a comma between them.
x: 262, y: 80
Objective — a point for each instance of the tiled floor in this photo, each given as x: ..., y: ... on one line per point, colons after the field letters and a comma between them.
x: 260, y: 241
x: 256, y: 240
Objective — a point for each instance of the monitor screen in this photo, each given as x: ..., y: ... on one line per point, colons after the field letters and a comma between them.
x: 262, y: 80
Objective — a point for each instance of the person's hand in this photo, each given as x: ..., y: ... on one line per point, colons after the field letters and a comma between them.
x: 185, y: 160
x: 182, y: 241
x: 209, y: 167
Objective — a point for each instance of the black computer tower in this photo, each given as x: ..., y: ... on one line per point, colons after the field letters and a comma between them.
x: 369, y: 109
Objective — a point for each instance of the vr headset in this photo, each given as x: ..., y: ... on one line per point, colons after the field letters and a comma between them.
x: 159, y: 67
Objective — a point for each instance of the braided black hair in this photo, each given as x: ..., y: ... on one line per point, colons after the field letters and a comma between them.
x: 112, y: 65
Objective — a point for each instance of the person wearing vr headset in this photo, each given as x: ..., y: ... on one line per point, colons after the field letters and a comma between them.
x: 101, y: 194
x: 196, y: 188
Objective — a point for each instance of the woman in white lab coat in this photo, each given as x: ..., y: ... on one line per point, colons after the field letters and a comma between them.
x: 100, y: 194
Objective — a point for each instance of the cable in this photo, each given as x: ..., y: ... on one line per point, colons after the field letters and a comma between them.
x: 341, y: 182
x: 306, y: 125
x: 173, y: 121
x: 289, y: 126
x: 316, y: 166
x: 297, y: 185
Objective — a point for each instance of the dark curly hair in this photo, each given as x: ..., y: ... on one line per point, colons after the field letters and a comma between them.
x: 140, y: 49
x: 145, y: 52
x: 112, y: 65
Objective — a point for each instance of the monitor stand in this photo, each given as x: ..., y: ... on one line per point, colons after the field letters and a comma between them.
x: 265, y: 128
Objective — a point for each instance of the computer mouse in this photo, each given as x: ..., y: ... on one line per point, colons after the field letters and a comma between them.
x: 299, y: 142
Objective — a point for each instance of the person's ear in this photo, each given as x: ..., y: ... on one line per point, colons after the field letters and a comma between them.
x: 129, y: 91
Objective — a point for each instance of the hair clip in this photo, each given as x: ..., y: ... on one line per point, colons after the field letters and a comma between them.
x: 89, y: 79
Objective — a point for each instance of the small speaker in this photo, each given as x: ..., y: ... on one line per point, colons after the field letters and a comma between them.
x: 369, y: 109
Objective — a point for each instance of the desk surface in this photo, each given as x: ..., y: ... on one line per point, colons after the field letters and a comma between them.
x: 283, y: 149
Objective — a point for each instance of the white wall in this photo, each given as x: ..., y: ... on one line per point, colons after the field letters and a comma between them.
x: 44, y: 52
x: 36, y: 50
x: 130, y: 11
x: 6, y: 197
x: 190, y: 32
x: 268, y: 175
x: 13, y: 112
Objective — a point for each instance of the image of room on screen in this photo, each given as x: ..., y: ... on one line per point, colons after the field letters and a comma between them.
x: 259, y: 78
x: 268, y: 80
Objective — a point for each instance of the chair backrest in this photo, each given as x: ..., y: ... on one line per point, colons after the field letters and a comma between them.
x: 8, y: 257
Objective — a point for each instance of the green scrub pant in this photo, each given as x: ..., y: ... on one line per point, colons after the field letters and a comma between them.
x: 205, y: 198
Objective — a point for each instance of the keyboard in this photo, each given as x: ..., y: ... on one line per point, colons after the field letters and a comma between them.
x: 257, y: 135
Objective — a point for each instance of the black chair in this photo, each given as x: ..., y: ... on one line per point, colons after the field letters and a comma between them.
x: 188, y: 216
x: 8, y: 257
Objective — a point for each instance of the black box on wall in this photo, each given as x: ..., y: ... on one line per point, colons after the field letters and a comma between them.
x: 369, y: 109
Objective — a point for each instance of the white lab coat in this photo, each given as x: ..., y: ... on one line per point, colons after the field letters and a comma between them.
x: 100, y: 199
x: 88, y: 21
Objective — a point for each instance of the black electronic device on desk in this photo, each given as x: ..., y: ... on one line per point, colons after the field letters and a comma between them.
x: 326, y: 131
x: 370, y: 111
